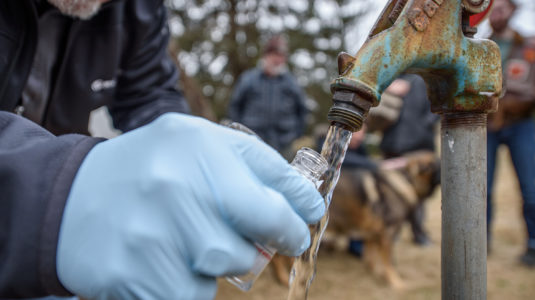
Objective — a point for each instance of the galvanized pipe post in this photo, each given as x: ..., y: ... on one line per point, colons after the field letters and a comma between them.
x: 433, y: 38
x: 464, y: 191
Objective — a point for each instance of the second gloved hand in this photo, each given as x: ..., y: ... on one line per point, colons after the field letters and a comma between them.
x: 159, y: 212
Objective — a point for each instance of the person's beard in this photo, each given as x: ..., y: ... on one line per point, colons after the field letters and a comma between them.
x: 278, y: 70
x: 272, y: 70
x: 83, y: 9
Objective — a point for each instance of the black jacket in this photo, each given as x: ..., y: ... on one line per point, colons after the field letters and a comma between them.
x: 36, y: 172
x: 273, y: 107
x: 124, y: 45
x: 414, y: 128
x: 125, y: 42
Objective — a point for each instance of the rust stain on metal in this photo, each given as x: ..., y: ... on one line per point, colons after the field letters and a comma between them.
x: 396, y: 11
x: 430, y: 8
x: 463, y: 119
x: 462, y: 74
x: 345, y: 62
x: 418, y: 19
x: 383, y: 22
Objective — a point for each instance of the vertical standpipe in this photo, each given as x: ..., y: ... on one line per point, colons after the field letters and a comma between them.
x: 464, y: 193
x: 433, y: 38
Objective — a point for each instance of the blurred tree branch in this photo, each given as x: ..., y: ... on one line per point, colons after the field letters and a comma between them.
x: 191, y: 89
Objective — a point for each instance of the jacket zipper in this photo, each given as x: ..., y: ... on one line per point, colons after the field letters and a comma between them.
x: 65, y: 55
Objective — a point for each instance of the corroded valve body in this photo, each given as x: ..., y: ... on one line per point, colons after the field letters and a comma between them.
x: 425, y: 37
x: 433, y: 38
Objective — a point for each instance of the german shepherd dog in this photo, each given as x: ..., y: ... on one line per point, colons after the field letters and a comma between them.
x: 375, y: 204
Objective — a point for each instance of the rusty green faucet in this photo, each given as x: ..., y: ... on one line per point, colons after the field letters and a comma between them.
x: 432, y: 38
x: 425, y: 37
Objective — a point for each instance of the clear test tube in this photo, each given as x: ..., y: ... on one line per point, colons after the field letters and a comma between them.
x: 311, y: 165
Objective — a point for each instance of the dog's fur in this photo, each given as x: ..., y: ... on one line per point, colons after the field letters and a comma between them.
x: 375, y: 205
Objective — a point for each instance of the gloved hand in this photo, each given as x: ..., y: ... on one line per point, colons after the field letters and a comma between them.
x: 159, y: 212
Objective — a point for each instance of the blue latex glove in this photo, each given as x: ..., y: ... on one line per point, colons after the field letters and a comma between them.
x: 159, y: 212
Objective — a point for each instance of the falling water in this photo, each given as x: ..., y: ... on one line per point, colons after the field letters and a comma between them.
x: 304, y: 268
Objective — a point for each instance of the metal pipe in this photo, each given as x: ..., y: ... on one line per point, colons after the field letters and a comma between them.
x: 433, y: 38
x: 464, y: 193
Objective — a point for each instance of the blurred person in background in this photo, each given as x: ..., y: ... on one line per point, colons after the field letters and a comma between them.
x: 269, y: 101
x: 411, y: 129
x: 357, y: 158
x: 357, y: 155
x: 512, y: 124
x: 156, y: 213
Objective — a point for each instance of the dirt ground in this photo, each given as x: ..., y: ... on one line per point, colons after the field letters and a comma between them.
x: 342, y: 276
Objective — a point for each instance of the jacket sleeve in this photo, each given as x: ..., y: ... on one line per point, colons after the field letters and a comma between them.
x: 36, y: 172
x: 146, y: 87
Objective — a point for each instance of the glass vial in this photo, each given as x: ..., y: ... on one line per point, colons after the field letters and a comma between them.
x: 311, y: 165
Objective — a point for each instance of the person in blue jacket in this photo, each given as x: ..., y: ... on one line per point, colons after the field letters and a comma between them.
x: 269, y: 101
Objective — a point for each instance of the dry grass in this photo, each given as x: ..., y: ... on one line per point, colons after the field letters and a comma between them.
x: 341, y: 276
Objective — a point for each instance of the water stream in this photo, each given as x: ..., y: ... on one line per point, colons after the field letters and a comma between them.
x: 304, y: 268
